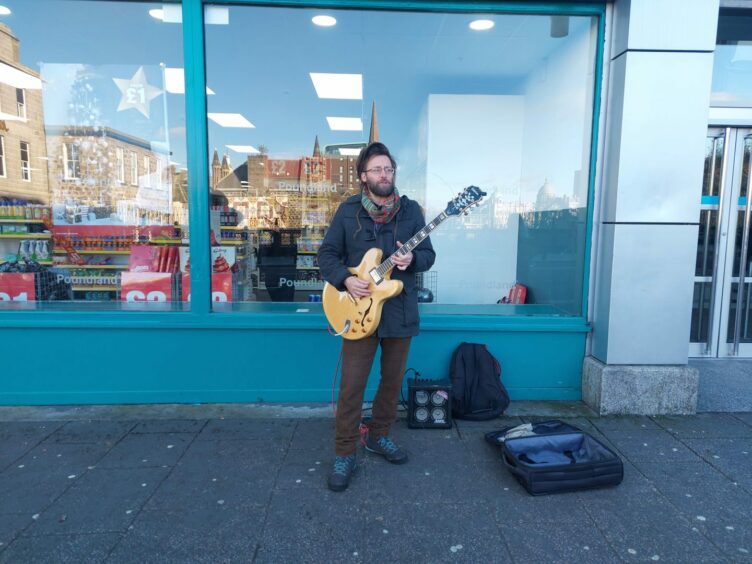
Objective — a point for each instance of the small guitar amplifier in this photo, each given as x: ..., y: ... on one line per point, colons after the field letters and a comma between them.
x: 429, y: 404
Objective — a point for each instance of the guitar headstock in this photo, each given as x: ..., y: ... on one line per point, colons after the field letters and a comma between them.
x: 466, y: 199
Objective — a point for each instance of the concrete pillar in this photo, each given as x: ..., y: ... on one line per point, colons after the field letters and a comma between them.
x: 660, y: 70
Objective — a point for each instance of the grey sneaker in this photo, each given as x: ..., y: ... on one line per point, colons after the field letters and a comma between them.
x: 386, y: 448
x: 339, y: 479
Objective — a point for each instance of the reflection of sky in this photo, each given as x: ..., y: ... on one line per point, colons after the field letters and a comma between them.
x: 732, y: 76
x: 101, y: 41
x: 259, y: 66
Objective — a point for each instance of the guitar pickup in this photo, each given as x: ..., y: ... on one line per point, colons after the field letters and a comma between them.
x: 376, y: 277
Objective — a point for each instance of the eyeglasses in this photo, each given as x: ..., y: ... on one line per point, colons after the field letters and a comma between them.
x: 380, y: 169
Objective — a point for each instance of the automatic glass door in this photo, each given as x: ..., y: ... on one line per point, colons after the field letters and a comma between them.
x: 722, y: 305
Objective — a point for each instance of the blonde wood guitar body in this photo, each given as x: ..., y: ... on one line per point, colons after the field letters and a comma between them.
x: 357, y: 318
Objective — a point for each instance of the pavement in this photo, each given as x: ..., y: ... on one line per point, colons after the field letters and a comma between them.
x: 242, y: 483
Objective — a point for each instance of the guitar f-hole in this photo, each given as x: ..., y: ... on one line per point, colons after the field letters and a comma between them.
x: 365, y: 313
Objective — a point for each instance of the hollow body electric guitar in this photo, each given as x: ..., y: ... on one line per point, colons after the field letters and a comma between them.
x: 356, y: 318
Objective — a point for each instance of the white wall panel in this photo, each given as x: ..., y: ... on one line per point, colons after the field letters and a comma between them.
x: 656, y: 136
x: 668, y: 25
x: 651, y: 293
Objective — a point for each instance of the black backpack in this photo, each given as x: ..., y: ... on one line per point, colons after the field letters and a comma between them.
x: 477, y: 391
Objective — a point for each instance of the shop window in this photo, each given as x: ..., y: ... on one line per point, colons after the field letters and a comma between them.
x: 25, y: 161
x: 120, y: 164
x: 2, y: 157
x: 80, y: 229
x: 72, y: 161
x: 134, y: 169
x: 454, y: 108
x: 732, y: 60
x: 21, y: 103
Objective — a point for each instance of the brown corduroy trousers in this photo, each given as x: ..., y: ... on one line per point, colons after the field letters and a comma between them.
x: 357, y: 358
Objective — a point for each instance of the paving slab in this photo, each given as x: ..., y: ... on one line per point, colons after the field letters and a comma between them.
x: 720, y: 510
x: 147, y: 450
x: 61, y: 549
x: 432, y: 531
x: 624, y: 424
x: 170, y: 426
x: 648, y: 528
x: 200, y: 535
x: 301, y: 527
x: 243, y: 429
x: 11, y: 525
x: 568, y: 541
x: 654, y: 445
x: 91, y: 431
x: 101, y: 501
x: 705, y: 426
x: 733, y: 457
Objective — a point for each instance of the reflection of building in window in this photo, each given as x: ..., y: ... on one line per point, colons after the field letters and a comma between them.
x: 21, y: 103
x: 25, y: 163
x: 287, y: 193
x: 147, y: 171
x: 72, y: 161
x: 120, y: 164
x: 134, y: 168
x: 86, y: 169
x: 21, y: 121
x: 548, y: 200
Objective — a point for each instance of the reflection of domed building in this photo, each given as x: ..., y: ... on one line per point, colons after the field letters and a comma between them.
x: 547, y: 199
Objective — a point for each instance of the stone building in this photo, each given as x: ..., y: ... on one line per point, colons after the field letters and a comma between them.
x: 23, y: 151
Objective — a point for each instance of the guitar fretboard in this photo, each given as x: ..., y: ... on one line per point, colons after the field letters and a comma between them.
x: 414, y: 241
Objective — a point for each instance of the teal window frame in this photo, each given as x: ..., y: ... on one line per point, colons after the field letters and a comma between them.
x: 200, y: 314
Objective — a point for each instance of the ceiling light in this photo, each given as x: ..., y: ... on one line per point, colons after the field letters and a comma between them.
x: 244, y: 149
x: 229, y: 120
x: 18, y: 79
x: 481, y: 25
x: 324, y: 21
x: 4, y: 11
x: 175, y: 81
x: 338, y: 86
x: 345, y: 152
x: 157, y: 13
x: 345, y: 123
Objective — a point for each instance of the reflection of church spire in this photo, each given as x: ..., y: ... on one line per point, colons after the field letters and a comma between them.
x: 226, y: 166
x: 373, y: 135
x: 316, y: 148
x: 216, y: 168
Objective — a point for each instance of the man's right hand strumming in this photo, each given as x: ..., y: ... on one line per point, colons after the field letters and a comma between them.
x: 358, y: 288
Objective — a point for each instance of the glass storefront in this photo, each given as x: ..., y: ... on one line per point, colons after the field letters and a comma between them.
x: 298, y: 92
x: 94, y: 166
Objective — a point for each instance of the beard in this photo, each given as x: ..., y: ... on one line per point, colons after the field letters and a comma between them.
x: 382, y: 189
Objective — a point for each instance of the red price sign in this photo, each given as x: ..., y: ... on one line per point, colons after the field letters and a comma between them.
x: 146, y: 287
x: 221, y: 287
x: 17, y: 287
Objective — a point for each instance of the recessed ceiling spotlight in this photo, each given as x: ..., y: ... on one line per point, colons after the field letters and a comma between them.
x: 481, y: 25
x: 157, y: 13
x: 4, y: 11
x: 324, y: 21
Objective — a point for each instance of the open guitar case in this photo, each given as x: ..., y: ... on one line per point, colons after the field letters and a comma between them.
x: 554, y: 457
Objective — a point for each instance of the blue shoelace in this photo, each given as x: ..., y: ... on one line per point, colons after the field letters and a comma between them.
x: 342, y: 465
x: 387, y: 444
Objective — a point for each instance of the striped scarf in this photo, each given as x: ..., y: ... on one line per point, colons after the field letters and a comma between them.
x: 381, y: 213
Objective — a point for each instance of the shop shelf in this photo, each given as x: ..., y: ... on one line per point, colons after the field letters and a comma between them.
x: 21, y: 221
x: 98, y: 287
x: 94, y: 266
x: 25, y: 235
x: 91, y: 252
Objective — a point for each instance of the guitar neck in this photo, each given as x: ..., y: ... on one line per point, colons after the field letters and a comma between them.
x: 414, y: 241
